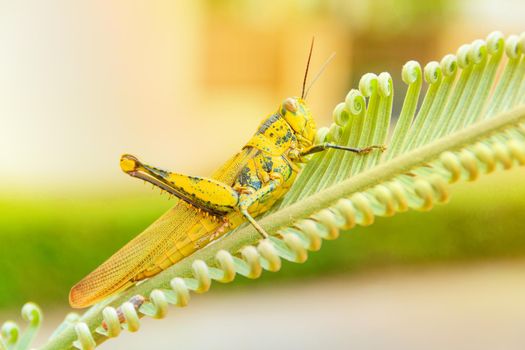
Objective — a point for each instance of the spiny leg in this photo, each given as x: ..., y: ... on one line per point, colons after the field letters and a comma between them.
x: 246, y: 200
x: 324, y: 146
x: 208, y: 194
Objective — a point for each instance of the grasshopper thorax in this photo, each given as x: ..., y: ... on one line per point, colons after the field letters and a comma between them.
x: 295, y: 112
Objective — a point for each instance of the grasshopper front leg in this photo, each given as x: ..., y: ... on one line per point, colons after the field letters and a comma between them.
x: 324, y: 146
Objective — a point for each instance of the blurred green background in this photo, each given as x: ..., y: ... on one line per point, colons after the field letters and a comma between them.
x: 53, y: 242
x: 183, y: 85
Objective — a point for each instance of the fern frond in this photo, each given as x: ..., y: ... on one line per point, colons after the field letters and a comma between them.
x: 10, y: 336
x: 470, y: 122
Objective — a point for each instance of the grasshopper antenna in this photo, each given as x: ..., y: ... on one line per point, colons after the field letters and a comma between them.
x: 321, y: 70
x: 307, y: 66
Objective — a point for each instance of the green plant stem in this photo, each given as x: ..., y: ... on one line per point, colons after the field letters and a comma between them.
x: 304, y: 208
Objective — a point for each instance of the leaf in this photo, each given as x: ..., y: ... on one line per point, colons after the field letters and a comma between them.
x: 470, y: 122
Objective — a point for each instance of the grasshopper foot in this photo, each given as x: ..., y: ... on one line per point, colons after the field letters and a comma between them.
x: 366, y: 150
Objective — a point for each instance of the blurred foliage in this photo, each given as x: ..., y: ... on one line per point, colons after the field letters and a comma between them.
x: 381, y: 17
x: 47, y: 245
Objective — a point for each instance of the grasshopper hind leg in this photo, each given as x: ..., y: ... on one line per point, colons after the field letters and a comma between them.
x: 210, y: 195
x: 207, y: 194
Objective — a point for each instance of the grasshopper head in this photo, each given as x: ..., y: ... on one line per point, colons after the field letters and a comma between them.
x: 298, y: 116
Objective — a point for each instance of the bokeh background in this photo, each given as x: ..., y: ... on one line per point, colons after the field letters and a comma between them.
x: 183, y: 84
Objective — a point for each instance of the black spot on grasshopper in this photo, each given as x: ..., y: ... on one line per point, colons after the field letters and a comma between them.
x: 194, y: 179
x: 285, y: 138
x: 255, y: 183
x: 267, y: 164
x: 244, y: 176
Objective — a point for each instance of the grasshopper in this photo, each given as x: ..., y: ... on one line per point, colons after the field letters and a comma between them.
x: 245, y: 187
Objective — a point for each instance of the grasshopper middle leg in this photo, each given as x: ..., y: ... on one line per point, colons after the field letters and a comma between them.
x: 246, y: 200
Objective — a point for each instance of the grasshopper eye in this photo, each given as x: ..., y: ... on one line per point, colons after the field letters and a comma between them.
x: 290, y: 105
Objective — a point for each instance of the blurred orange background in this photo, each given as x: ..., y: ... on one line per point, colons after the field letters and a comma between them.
x: 183, y: 84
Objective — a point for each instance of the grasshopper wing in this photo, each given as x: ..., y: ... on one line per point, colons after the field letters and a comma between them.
x: 176, y: 234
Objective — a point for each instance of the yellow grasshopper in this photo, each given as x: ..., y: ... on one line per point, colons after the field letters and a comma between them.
x: 246, y: 186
